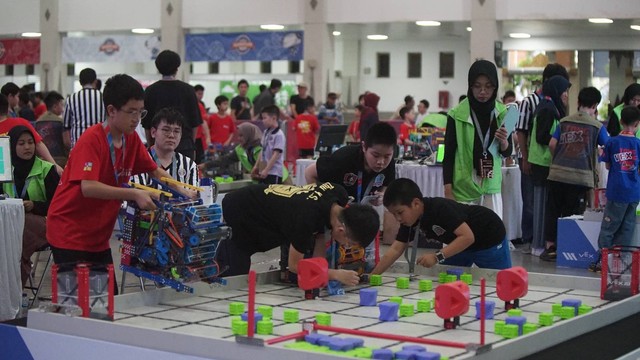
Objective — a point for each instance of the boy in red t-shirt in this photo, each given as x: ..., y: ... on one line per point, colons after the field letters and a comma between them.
x: 86, y: 204
x: 221, y: 125
x: 307, y: 128
x: 353, y: 133
x: 409, y: 125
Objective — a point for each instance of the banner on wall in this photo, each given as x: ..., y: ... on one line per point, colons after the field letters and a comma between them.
x: 258, y: 46
x: 19, y: 51
x: 108, y: 48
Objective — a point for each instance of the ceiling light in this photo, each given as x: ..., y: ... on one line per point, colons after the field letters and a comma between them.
x: 31, y: 34
x: 600, y: 21
x: 142, y: 31
x: 519, y: 35
x: 428, y: 23
x: 377, y: 37
x: 635, y: 27
x: 468, y: 28
x: 336, y: 33
x: 272, y: 27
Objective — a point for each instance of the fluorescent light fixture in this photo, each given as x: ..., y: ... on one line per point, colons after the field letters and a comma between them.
x: 469, y: 28
x: 31, y: 34
x: 142, y: 31
x: 271, y: 27
x: 519, y: 35
x: 377, y: 37
x: 600, y: 20
x: 336, y: 33
x: 428, y: 23
x: 635, y: 27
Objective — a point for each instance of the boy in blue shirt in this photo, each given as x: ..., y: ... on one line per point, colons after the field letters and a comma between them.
x: 623, y: 185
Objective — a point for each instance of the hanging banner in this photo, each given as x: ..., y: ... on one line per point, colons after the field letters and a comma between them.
x: 110, y: 48
x: 260, y: 46
x: 19, y: 51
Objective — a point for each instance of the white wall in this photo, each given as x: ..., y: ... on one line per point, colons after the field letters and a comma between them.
x: 20, y: 16
x: 220, y: 13
x: 366, y: 11
x: 109, y: 15
x: 573, y: 43
x: 566, y: 9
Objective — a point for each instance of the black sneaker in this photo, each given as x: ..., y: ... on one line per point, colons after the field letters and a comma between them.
x: 595, y: 267
x: 549, y: 254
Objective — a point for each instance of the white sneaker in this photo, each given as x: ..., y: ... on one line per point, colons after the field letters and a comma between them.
x: 526, y: 248
x: 537, y: 251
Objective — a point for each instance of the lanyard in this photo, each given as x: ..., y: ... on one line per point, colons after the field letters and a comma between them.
x: 112, y: 150
x: 485, y: 140
x: 360, y: 194
x: 24, y: 188
x: 174, y: 165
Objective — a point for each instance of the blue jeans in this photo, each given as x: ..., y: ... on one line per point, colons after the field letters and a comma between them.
x: 618, y: 224
x: 495, y: 257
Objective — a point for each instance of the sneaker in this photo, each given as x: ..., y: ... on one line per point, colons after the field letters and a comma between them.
x: 595, y: 267
x: 526, y: 248
x: 549, y: 254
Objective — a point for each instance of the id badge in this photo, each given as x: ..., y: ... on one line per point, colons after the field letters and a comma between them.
x: 486, y: 167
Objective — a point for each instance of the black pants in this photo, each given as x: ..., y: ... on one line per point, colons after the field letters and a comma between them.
x: 199, y: 152
x: 68, y: 259
x: 564, y: 200
x: 232, y: 259
x: 271, y: 179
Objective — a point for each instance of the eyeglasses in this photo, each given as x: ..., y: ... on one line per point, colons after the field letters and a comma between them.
x: 481, y: 87
x: 169, y: 131
x: 138, y: 114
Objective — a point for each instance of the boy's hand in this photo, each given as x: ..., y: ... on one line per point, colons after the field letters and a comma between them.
x: 347, y: 277
x: 263, y: 174
x: 501, y: 135
x: 144, y: 199
x: 427, y: 260
x: 28, y: 205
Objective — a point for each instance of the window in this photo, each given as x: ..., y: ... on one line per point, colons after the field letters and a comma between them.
x: 383, y: 65
x: 446, y: 65
x: 8, y: 70
x: 30, y: 69
x: 294, y: 67
x: 214, y: 68
x: 265, y: 67
x: 414, y: 65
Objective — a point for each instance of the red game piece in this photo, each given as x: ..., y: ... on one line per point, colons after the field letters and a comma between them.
x: 452, y: 301
x: 313, y: 273
x: 511, y: 285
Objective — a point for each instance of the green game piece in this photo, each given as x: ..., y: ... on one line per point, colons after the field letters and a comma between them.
x: 234, y: 319
x: 266, y: 311
x: 375, y: 280
x: 291, y: 316
x: 363, y: 353
x: 402, y: 283
x: 451, y: 278
x: 239, y: 328
x: 425, y: 285
x: 556, y: 309
x: 323, y: 319
x: 396, y: 299
x: 236, y: 308
x: 510, y: 331
x: 425, y: 305
x: 514, y: 312
x: 466, y: 278
x: 499, y: 327
x: 442, y: 277
x: 545, y: 319
x: 567, y: 312
x: 406, y: 310
x: 265, y: 327
x: 529, y: 328
x: 583, y: 309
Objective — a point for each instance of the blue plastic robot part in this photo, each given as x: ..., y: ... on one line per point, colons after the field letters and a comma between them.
x: 382, y: 354
x: 388, y: 311
x: 368, y: 297
x: 489, y: 308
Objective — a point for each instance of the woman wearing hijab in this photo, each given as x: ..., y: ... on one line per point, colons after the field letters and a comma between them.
x: 369, y: 115
x: 471, y: 172
x: 35, y: 182
x: 551, y: 109
x: 631, y: 97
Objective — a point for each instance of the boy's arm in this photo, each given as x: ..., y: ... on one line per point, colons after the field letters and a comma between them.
x: 207, y: 133
x: 97, y: 190
x: 311, y: 174
x: 552, y: 145
x: 390, y: 256
x: 464, y: 239
x: 274, y: 157
x: 226, y: 143
x: 44, y: 154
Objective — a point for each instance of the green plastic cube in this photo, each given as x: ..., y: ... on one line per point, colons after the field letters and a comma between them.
x: 466, y: 278
x: 323, y: 319
x: 234, y: 319
x: 442, y: 277
x: 583, y: 309
x: 425, y: 285
x: 239, y: 328
x: 514, y: 312
x: 266, y: 311
x: 375, y: 280
x: 425, y: 305
x: 396, y: 299
x: 567, y: 312
x: 402, y: 283
x: 510, y: 331
x: 406, y: 310
x: 451, y: 278
x: 265, y: 327
x: 556, y: 309
x: 498, y: 327
x: 529, y: 328
x: 291, y: 316
x: 545, y: 319
x: 363, y: 353
x: 236, y: 308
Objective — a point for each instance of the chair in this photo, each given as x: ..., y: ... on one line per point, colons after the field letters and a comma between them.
x: 35, y: 290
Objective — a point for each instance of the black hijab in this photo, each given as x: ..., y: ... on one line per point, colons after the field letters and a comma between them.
x: 630, y: 92
x: 553, y: 89
x: 21, y: 167
x: 488, y: 69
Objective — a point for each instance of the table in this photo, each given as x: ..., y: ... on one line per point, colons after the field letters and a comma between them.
x: 511, y: 202
x: 428, y: 177
x: 11, y: 228
x: 301, y: 165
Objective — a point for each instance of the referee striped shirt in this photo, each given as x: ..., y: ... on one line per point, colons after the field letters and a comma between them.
x: 185, y: 168
x: 82, y: 110
x: 527, y: 109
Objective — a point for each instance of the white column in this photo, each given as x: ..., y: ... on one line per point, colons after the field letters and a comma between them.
x: 318, y: 50
x: 484, y: 30
x: 172, y: 34
x: 51, y: 69
x: 619, y: 73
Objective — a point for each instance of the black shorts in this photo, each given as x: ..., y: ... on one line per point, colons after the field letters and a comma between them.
x: 305, y: 153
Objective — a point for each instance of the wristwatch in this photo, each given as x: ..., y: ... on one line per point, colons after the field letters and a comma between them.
x: 440, y: 257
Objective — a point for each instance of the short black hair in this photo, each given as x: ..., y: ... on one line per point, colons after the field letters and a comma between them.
x: 401, y: 192
x: 380, y: 133
x: 198, y: 88
x: 404, y: 111
x: 362, y: 223
x: 170, y: 115
x: 553, y: 70
x: 360, y: 107
x: 262, y: 87
x: 121, y: 88
x: 275, y: 84
x: 243, y: 81
x: 98, y: 84
x: 168, y: 62
x: 52, y: 98
x: 271, y: 110
x: 23, y: 98
x: 589, y: 96
x: 408, y: 99
x: 9, y: 89
x: 220, y: 99
x: 4, y: 105
x: 38, y: 94
x: 508, y: 93
x: 628, y: 116
x: 332, y: 96
x: 87, y: 76
x: 425, y: 103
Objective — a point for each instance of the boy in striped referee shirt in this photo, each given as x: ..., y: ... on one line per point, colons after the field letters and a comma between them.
x: 166, y: 130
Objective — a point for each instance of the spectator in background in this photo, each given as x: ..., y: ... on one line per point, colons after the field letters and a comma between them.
x: 39, y: 107
x: 509, y: 97
x: 11, y: 91
x: 423, y: 108
x: 267, y: 97
x: 329, y: 114
x: 50, y: 126
x: 631, y: 97
x: 270, y: 168
x: 361, y: 98
x: 84, y: 108
x: 25, y: 111
x: 370, y: 114
x: 221, y: 126
x: 203, y: 135
x: 409, y: 102
x: 409, y: 124
x: 240, y: 104
x: 298, y: 103
x: 307, y: 128
x: 353, y: 133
